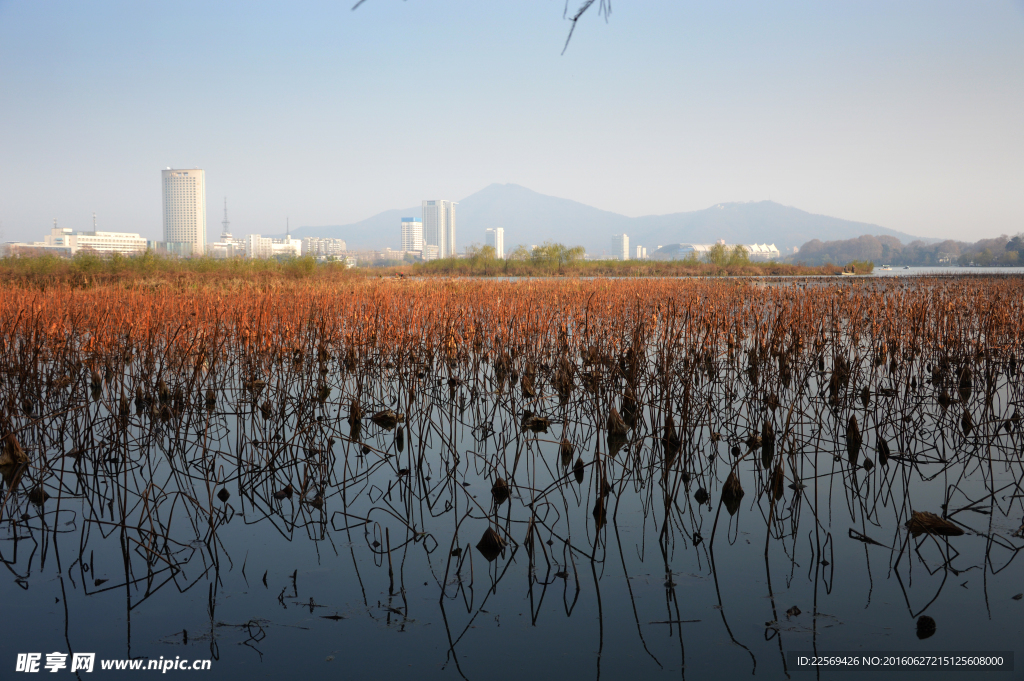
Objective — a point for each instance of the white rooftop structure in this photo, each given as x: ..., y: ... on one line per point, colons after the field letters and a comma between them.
x: 756, y: 252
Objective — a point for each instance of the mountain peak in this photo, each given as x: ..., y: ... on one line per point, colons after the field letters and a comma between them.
x: 530, y: 218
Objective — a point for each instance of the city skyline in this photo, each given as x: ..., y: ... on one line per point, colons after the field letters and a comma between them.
x: 900, y: 115
x: 537, y: 218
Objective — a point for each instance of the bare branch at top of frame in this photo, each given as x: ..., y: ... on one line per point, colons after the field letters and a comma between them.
x: 604, y: 9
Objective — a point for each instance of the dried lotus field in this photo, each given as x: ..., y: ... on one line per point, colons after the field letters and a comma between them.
x: 490, y: 479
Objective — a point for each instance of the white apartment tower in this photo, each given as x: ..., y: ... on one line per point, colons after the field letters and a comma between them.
x: 496, y: 239
x: 620, y: 247
x: 185, y: 208
x: 439, y: 228
x: 412, y: 234
x: 449, y: 229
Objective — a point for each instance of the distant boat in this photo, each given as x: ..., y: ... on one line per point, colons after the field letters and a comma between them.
x: 849, y: 274
x: 886, y: 268
x: 906, y: 267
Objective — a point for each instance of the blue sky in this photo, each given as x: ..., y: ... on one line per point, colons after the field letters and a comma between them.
x: 905, y: 114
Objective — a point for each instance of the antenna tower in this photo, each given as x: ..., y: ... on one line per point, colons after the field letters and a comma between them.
x: 225, y: 223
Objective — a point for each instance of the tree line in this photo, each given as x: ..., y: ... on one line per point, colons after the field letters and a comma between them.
x: 1002, y: 251
x: 555, y: 259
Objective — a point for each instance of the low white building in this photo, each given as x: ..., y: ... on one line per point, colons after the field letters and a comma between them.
x: 124, y: 243
x: 392, y: 254
x: 64, y: 241
x: 227, y: 247
x: 755, y: 252
x: 257, y: 246
x: 319, y: 247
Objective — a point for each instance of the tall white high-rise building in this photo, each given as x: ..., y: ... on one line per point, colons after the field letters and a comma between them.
x: 620, y: 247
x: 496, y: 239
x: 439, y: 228
x: 449, y: 230
x: 412, y: 234
x: 185, y: 208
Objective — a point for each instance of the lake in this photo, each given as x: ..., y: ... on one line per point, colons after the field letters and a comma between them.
x: 481, y: 480
x: 900, y: 271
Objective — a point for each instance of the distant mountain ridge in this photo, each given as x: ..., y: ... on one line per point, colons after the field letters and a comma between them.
x: 529, y: 217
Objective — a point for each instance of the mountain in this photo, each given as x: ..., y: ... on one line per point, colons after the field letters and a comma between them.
x: 527, y: 217
x: 532, y: 218
x: 374, y: 233
x: 752, y: 222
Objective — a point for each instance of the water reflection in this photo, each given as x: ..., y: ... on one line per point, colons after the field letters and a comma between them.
x: 631, y: 484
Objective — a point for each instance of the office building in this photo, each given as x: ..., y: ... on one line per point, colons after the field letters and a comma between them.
x: 641, y: 253
x: 412, y: 234
x: 184, y: 193
x: 402, y: 255
x: 64, y: 241
x: 227, y: 247
x: 322, y: 247
x: 496, y: 240
x: 124, y: 243
x: 620, y: 247
x: 257, y: 246
x: 439, y: 228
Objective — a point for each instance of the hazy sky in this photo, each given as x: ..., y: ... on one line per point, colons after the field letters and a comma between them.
x: 906, y: 114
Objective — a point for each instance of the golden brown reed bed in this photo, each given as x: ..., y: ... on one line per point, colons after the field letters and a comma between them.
x: 665, y: 350
x: 423, y: 322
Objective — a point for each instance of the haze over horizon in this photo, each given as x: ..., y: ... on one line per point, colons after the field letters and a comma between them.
x: 529, y: 217
x: 905, y: 116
